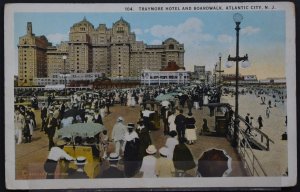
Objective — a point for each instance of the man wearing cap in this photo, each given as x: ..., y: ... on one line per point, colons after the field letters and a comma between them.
x: 180, y: 124
x: 79, y: 173
x: 164, y: 166
x: 247, y: 123
x: 56, y: 153
x: 149, y: 163
x: 51, y: 124
x: 43, y: 116
x: 113, y: 171
x: 118, y: 134
x: 145, y: 139
x: 97, y: 117
x: 146, y: 114
x: 165, y: 117
x: 88, y: 117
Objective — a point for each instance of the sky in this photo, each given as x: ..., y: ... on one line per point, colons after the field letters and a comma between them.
x: 204, y: 35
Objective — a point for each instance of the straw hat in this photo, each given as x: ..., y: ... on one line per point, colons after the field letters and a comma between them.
x: 163, y: 151
x: 120, y: 119
x: 114, y: 157
x: 151, y: 150
x: 130, y: 125
x: 61, y: 142
x: 81, y: 160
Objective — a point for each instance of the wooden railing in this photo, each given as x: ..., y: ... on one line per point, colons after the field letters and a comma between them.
x: 251, y: 163
x: 263, y: 136
x: 249, y: 159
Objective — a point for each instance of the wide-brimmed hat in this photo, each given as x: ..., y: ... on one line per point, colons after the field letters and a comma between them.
x: 130, y: 125
x: 173, y: 133
x: 81, y: 160
x: 164, y: 151
x: 114, y: 157
x: 61, y: 142
x: 120, y: 119
x: 151, y: 149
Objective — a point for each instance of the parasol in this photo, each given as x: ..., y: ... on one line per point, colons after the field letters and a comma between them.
x: 165, y: 97
x: 214, y: 163
x: 81, y: 129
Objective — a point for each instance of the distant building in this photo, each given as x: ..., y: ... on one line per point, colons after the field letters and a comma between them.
x: 199, y: 73
x: 274, y: 80
x: 165, y: 77
x: 32, y: 57
x: 113, y: 51
x: 243, y: 79
x: 58, y: 78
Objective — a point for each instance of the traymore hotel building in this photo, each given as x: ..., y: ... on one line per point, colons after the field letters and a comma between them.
x: 114, y: 52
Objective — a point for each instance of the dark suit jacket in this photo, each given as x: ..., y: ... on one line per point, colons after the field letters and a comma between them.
x: 98, y: 120
x: 43, y: 113
x: 180, y: 121
x: 112, y: 172
x: 53, y: 124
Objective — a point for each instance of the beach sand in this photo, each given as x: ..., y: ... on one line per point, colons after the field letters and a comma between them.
x: 274, y: 161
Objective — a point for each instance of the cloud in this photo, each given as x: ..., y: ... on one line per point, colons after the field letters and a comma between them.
x: 56, y: 38
x: 249, y: 30
x: 189, y: 31
x: 137, y: 31
x: 225, y: 38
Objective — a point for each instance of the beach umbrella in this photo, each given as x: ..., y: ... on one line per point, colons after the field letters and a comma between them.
x: 173, y: 93
x: 214, y: 163
x: 165, y: 97
x: 81, y: 129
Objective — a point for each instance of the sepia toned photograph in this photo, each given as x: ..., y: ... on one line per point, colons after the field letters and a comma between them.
x: 150, y: 95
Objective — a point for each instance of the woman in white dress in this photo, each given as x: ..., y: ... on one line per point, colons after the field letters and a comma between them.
x: 128, y: 99
x: 102, y: 111
x: 171, y: 142
x: 140, y: 98
x: 132, y: 103
x: 117, y: 98
x: 171, y: 122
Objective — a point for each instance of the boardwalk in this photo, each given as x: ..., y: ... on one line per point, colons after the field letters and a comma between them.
x: 31, y: 156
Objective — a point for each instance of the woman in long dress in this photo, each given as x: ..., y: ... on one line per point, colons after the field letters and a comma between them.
x: 190, y: 131
x: 183, y: 158
x: 128, y: 99
x: 171, y: 122
x: 131, y: 152
x: 140, y: 101
x: 132, y: 103
x: 171, y: 142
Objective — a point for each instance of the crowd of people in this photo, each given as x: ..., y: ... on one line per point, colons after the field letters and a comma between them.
x: 132, y: 143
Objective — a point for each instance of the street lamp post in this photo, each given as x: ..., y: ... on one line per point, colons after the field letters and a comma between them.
x: 65, y: 73
x: 215, y: 74
x: 237, y: 19
x: 220, y: 70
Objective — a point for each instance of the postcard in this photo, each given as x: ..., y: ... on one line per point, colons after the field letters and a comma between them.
x: 166, y: 95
